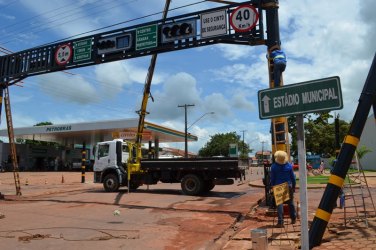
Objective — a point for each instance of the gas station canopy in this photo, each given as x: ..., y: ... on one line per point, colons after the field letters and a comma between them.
x: 92, y: 132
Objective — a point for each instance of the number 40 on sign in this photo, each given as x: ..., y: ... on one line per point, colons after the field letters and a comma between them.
x: 244, y: 18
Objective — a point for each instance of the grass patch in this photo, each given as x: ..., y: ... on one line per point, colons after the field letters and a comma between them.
x: 319, y: 179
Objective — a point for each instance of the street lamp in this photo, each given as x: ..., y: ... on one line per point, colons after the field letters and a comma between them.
x: 186, y: 128
x: 208, y: 113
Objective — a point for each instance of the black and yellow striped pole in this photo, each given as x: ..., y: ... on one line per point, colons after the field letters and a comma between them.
x: 1, y: 99
x: 83, y: 163
x: 336, y: 180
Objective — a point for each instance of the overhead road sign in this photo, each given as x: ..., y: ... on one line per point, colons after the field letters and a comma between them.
x: 306, y: 97
x: 63, y: 54
x: 213, y: 24
x: 82, y: 50
x: 244, y: 18
x: 147, y: 37
x: 136, y: 41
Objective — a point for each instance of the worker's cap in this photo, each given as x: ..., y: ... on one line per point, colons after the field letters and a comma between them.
x: 280, y: 157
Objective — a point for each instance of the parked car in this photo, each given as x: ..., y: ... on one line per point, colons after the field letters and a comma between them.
x: 295, y: 166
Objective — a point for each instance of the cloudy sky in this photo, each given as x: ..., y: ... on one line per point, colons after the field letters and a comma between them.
x: 321, y: 38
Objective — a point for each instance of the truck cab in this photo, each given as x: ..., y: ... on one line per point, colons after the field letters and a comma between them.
x: 110, y: 167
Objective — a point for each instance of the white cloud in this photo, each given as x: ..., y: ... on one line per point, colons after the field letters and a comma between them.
x: 178, y: 89
x: 9, y: 17
x: 53, y: 14
x: 236, y: 52
x: 67, y: 87
x: 320, y: 42
x: 239, y: 100
x: 19, y: 119
x: 218, y: 104
x: 116, y: 75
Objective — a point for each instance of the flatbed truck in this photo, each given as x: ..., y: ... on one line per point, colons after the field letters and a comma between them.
x: 196, y: 175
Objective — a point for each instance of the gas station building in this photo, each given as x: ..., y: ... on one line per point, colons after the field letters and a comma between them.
x: 72, y: 136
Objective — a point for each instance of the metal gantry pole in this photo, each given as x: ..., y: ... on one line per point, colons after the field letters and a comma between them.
x: 341, y: 167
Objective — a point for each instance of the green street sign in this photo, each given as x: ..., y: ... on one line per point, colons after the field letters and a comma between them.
x: 233, y: 150
x: 82, y: 50
x: 147, y: 37
x: 306, y: 97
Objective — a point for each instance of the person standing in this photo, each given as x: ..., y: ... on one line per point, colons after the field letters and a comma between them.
x: 281, y: 172
x: 278, y: 58
x: 322, y: 167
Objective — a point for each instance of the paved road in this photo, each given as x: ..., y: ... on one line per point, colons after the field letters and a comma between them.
x: 70, y: 215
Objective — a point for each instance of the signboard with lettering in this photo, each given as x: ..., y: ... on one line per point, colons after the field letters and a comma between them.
x: 233, y: 150
x: 244, y: 18
x: 130, y: 135
x: 82, y: 50
x: 214, y: 24
x: 281, y: 193
x: 306, y: 97
x: 147, y: 37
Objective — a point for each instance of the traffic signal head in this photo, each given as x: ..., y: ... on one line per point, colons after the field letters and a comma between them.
x: 106, y: 44
x: 115, y: 43
x: 177, y: 31
x: 185, y: 28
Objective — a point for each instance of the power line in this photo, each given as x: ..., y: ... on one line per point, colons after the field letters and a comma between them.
x: 116, y: 24
x: 55, y: 9
x: 51, y: 90
x: 8, y: 4
x: 40, y: 29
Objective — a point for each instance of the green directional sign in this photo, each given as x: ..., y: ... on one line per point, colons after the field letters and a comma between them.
x: 306, y: 97
x: 147, y: 37
x: 82, y: 50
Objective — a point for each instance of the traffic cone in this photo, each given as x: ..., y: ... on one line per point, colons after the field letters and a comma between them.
x: 27, y: 182
x: 62, y: 178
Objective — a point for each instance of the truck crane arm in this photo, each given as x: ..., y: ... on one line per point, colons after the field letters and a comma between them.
x: 135, y: 149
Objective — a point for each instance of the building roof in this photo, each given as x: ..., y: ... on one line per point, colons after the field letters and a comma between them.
x: 76, y: 133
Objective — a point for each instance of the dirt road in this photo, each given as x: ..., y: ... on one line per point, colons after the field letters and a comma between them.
x: 70, y: 215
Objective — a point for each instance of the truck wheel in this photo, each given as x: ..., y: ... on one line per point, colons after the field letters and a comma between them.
x: 208, y: 186
x: 111, y: 183
x: 192, y: 184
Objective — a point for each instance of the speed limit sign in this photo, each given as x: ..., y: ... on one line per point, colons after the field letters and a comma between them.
x: 244, y: 18
x: 63, y: 54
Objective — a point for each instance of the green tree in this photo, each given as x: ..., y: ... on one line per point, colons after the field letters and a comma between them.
x: 219, y: 145
x: 362, y: 151
x: 41, y: 143
x: 319, y: 133
x: 43, y: 124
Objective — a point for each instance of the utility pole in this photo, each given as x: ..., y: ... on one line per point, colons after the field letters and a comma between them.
x: 185, y: 106
x: 243, y: 153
